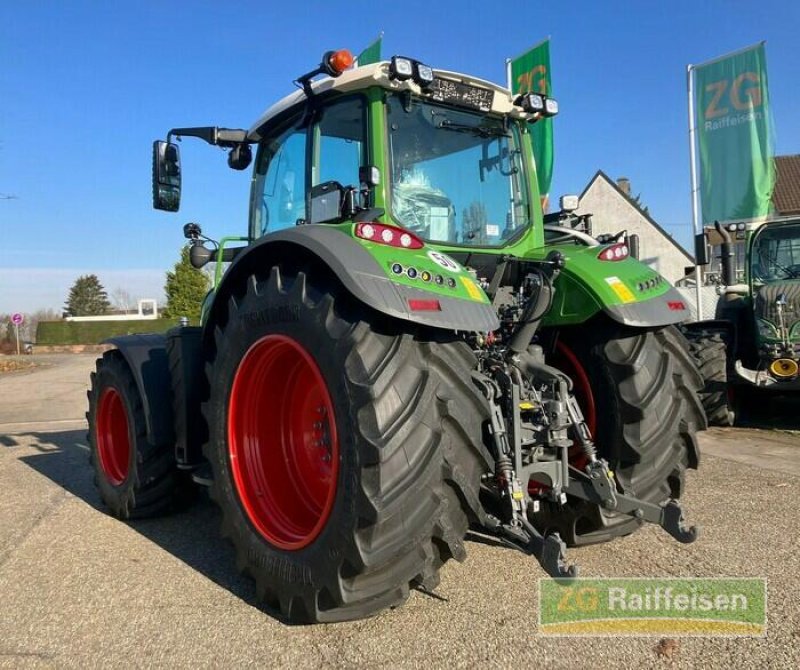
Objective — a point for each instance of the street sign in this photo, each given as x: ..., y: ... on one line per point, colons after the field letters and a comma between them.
x: 17, y: 319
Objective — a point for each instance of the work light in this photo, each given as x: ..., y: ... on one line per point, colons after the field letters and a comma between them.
x: 550, y: 107
x: 424, y: 75
x: 401, y: 68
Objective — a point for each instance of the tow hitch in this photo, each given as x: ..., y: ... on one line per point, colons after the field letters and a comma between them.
x: 536, y: 428
x: 597, y: 486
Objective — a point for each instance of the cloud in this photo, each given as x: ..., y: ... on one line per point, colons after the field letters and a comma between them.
x: 31, y: 289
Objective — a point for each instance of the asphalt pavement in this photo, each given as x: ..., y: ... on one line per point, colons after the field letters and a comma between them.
x: 81, y: 589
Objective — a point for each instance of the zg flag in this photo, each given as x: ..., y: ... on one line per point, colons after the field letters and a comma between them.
x: 734, y: 137
x: 530, y: 73
x: 372, y: 54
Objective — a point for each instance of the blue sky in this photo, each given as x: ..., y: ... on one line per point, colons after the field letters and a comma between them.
x: 85, y: 87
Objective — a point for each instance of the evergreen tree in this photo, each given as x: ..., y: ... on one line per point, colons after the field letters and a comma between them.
x: 185, y: 288
x: 87, y: 297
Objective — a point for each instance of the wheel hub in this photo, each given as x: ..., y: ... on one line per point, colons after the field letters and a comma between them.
x: 282, y: 442
x: 112, y: 436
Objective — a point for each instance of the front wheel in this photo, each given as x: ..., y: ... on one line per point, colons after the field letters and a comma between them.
x: 709, y: 350
x: 342, y: 445
x: 638, y: 390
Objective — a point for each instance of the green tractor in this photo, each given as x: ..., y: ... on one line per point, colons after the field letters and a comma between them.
x: 393, y: 353
x: 752, y: 343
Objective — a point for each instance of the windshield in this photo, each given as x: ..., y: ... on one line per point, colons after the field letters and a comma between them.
x: 776, y: 254
x: 456, y: 176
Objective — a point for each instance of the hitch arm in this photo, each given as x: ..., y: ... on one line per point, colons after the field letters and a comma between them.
x: 549, y: 550
x: 598, y: 487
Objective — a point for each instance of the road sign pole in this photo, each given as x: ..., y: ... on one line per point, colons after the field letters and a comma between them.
x: 17, y: 318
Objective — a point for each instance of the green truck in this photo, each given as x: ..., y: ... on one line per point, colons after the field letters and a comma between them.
x: 394, y: 354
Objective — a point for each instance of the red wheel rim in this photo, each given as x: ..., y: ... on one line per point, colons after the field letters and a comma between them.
x: 113, y: 437
x: 568, y: 362
x: 282, y: 442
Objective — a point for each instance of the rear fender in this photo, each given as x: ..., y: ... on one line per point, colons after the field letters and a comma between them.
x: 357, y: 270
x: 628, y: 291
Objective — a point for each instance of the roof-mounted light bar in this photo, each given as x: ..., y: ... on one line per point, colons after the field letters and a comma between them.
x: 403, y: 69
x: 536, y: 103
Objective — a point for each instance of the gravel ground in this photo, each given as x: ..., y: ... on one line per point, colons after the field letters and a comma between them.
x: 78, y: 588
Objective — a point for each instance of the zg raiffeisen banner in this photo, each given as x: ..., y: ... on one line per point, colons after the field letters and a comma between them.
x: 530, y: 73
x: 734, y: 137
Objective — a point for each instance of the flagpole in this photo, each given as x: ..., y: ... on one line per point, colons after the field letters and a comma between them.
x: 693, y: 173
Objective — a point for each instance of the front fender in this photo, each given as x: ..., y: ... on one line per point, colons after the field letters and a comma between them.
x: 361, y: 275
x: 146, y: 356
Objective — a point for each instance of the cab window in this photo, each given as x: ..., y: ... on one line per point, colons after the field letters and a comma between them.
x: 279, y: 184
x: 339, y: 143
x: 331, y: 149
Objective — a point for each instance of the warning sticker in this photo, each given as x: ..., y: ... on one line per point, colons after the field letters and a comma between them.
x: 473, y: 290
x: 622, y: 291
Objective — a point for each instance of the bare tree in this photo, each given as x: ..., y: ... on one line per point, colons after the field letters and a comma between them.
x: 32, y: 322
x: 122, y: 299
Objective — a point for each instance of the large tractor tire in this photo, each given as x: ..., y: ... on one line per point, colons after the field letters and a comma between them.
x: 709, y: 352
x: 344, y: 447
x: 136, y: 479
x: 638, y: 390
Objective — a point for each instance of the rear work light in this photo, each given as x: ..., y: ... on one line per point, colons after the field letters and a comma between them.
x: 616, y: 252
x: 390, y: 235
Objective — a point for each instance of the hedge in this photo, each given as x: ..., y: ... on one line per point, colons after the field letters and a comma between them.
x: 94, y: 332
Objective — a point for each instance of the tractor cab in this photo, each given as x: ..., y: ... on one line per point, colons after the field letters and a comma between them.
x: 441, y: 155
x: 774, y: 272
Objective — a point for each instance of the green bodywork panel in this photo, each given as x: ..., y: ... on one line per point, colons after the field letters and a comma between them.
x: 588, y: 284
x: 426, y: 268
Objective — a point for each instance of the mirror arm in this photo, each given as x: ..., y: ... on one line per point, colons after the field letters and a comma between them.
x: 221, y: 137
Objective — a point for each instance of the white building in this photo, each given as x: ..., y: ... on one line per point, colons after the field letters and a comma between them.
x: 613, y: 210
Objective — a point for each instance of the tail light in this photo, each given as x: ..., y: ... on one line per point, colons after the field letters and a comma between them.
x: 423, y: 305
x: 616, y: 252
x: 389, y: 235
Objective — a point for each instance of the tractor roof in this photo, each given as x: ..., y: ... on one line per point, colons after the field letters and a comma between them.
x: 377, y: 74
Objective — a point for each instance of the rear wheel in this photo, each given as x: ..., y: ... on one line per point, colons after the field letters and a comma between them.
x: 638, y: 390
x: 134, y: 477
x: 343, y: 448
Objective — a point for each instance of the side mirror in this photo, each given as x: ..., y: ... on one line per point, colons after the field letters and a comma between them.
x: 701, y: 251
x: 166, y: 176
x: 326, y: 202
x: 633, y: 245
